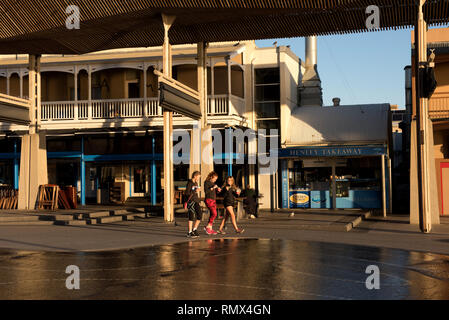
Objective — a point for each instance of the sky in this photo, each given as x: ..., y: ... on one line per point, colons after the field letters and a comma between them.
x: 359, y: 68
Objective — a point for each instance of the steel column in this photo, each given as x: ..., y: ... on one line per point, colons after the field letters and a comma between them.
x: 421, y: 122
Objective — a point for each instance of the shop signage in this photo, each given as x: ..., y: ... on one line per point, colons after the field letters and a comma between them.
x: 176, y: 97
x: 309, y: 163
x: 299, y: 199
x: 332, y: 152
x: 284, y: 169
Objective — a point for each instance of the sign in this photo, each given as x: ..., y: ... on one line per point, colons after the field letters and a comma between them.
x: 309, y: 163
x: 285, y: 182
x: 348, y: 151
x: 14, y: 110
x: 177, y: 97
x: 299, y: 199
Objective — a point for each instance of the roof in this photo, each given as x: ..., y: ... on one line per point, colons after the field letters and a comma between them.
x: 128, y: 54
x: 38, y: 26
x: 342, y: 125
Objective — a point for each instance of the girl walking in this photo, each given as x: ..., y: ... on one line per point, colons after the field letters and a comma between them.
x: 230, y: 192
x: 211, y: 189
x: 193, y: 205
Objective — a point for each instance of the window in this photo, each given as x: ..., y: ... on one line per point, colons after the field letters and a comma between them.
x: 267, y: 98
x: 264, y: 76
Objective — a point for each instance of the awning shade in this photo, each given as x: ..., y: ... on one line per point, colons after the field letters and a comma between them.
x: 39, y: 26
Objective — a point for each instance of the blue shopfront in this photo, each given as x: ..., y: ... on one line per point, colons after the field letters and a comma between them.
x: 340, y: 177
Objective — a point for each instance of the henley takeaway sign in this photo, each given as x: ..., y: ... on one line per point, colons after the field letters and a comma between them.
x: 347, y: 151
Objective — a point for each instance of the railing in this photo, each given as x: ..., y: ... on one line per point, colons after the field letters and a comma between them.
x: 123, y: 108
x: 130, y: 108
x: 439, y: 107
x: 61, y: 110
x: 222, y: 105
x: 218, y: 105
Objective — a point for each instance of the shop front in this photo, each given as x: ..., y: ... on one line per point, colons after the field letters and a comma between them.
x: 337, y: 177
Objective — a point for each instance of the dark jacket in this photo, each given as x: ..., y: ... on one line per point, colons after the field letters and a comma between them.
x: 250, y: 203
x: 191, y: 192
x: 210, y: 193
x: 229, y: 197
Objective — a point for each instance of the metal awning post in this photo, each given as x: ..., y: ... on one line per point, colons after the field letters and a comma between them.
x: 168, y: 127
x: 425, y: 223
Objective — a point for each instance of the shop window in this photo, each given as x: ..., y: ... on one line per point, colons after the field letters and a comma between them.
x: 63, y: 145
x: 6, y: 173
x: 361, y: 174
x: 301, y: 177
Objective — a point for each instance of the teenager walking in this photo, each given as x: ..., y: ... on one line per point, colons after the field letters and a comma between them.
x: 193, y: 205
x: 230, y: 192
x: 211, y: 189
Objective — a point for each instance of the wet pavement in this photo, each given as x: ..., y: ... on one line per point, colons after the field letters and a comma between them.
x: 227, y: 269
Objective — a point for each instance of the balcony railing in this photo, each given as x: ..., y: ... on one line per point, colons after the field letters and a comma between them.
x: 439, y: 107
x: 218, y: 105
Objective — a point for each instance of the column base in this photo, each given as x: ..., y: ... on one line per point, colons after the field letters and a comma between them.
x: 33, y: 169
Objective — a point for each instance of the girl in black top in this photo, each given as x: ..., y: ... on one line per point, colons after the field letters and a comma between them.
x: 230, y: 192
x: 193, y: 205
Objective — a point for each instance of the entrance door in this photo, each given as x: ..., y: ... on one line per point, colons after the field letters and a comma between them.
x: 139, y: 183
x: 133, y: 90
x: 444, y: 189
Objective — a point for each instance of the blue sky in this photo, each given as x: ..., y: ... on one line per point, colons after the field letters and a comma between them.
x: 360, y: 68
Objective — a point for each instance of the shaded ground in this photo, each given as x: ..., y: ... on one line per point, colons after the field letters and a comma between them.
x: 227, y: 269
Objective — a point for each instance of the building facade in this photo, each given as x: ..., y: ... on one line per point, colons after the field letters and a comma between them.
x: 103, y: 124
x: 438, y: 42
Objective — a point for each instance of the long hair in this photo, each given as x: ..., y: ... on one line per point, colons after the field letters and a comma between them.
x: 233, y: 186
x: 211, y: 175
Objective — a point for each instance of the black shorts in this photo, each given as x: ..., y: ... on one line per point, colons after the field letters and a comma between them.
x: 196, y: 213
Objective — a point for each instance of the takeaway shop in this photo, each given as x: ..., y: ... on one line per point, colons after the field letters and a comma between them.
x: 350, y: 169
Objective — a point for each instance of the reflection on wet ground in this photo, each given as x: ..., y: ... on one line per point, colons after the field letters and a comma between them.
x: 227, y: 269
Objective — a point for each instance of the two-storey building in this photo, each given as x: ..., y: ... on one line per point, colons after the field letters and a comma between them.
x: 101, y: 115
x: 438, y: 41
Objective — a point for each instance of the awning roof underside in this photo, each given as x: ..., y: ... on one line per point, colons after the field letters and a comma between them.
x: 38, y: 26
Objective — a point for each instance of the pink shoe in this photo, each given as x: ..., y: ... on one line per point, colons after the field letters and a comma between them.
x: 211, y: 232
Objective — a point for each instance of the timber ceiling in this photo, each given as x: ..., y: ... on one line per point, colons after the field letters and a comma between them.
x: 39, y: 26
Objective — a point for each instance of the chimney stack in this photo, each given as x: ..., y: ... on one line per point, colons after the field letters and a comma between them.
x: 336, y: 102
x: 310, y: 91
x: 311, y: 52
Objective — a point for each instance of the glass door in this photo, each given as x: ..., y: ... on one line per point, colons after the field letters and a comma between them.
x: 139, y: 185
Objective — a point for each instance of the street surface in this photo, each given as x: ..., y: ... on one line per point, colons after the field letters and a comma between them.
x: 226, y: 269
